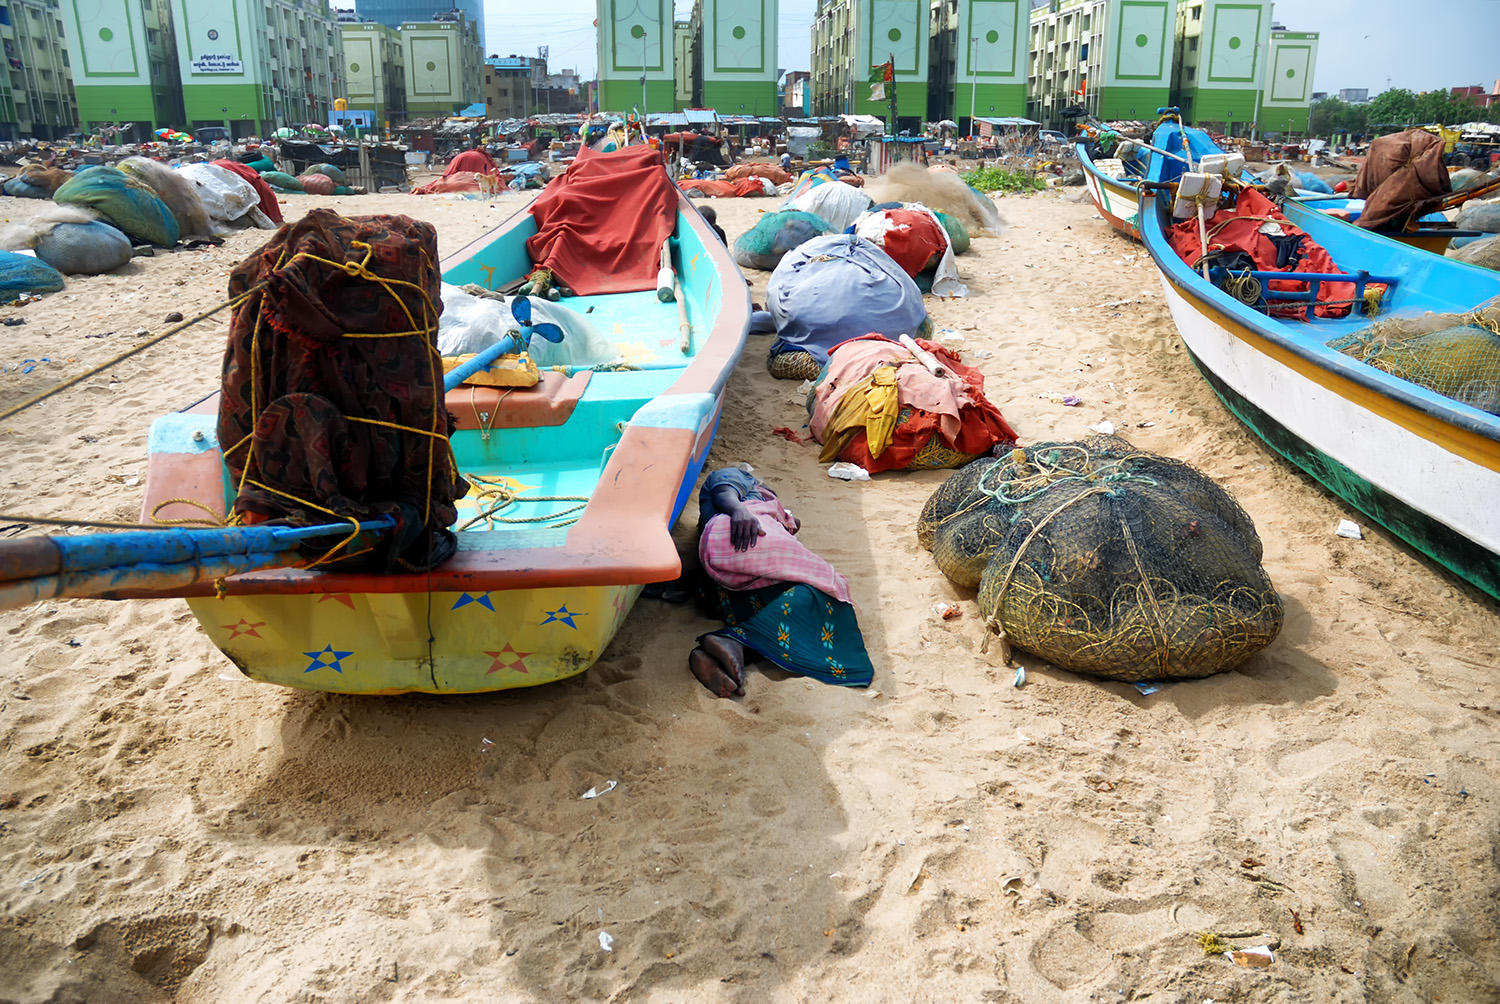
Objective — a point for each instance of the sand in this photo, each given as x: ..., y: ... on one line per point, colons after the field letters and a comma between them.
x: 178, y: 833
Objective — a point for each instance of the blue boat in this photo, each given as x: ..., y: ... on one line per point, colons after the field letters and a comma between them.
x: 1424, y: 466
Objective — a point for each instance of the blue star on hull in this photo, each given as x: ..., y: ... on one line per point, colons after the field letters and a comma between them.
x: 563, y: 615
x: 335, y: 660
x: 483, y: 599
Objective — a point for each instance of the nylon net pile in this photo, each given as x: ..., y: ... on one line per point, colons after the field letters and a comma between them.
x: 1456, y: 355
x: 1105, y: 559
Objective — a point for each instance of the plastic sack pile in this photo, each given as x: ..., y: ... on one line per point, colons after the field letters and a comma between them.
x: 1105, y: 559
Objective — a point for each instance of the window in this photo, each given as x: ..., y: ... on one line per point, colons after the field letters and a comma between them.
x: 151, y: 36
x: 1193, y: 44
x: 1197, y: 13
x: 65, y: 58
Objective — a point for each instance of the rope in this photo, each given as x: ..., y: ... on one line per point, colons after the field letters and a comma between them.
x: 94, y: 370
x: 501, y: 496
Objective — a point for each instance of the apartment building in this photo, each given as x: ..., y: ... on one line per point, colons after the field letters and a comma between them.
x: 1114, y: 58
x: 851, y: 37
x: 512, y: 85
x: 978, y: 59
x: 375, y: 68
x: 1222, y: 49
x: 36, y: 92
x: 1286, y: 98
x: 685, y: 83
x: 636, y: 65
x: 738, y: 56
x: 444, y: 64
x: 122, y: 57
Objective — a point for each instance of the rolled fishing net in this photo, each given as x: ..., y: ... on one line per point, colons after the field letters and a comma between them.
x: 1105, y: 559
x: 1456, y: 355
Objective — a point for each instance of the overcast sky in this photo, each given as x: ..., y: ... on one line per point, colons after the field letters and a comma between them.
x: 1363, y: 43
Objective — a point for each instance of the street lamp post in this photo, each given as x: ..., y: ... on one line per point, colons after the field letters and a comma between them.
x: 1260, y: 78
x: 973, y: 82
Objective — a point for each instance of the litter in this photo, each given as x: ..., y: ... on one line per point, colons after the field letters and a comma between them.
x: 1020, y: 680
x: 1147, y: 689
x: 1104, y: 428
x: 947, y: 611
x: 1349, y: 529
x: 595, y: 792
x: 787, y: 434
x: 1259, y: 957
x: 606, y: 941
x: 848, y: 472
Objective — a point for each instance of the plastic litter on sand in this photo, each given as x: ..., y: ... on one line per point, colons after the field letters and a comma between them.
x: 845, y: 471
x: 1349, y: 529
x: 595, y: 792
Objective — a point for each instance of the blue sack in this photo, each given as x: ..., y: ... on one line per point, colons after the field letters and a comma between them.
x: 21, y: 273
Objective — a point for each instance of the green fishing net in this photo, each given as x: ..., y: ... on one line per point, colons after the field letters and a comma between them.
x: 1456, y: 355
x: 1105, y: 559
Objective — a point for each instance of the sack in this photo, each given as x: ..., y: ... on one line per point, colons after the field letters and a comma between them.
x: 180, y: 195
x: 838, y: 203
x: 957, y: 232
x: 21, y: 273
x: 836, y: 287
x: 36, y: 182
x: 284, y: 183
x: 1481, y: 251
x: 227, y: 197
x: 84, y: 248
x: 337, y: 174
x: 316, y: 184
x: 774, y: 234
x: 268, y: 204
x: 260, y: 163
x: 130, y: 205
x: 1480, y: 215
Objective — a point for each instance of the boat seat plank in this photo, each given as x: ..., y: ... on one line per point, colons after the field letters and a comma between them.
x: 550, y: 402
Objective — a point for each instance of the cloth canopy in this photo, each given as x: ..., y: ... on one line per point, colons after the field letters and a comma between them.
x: 471, y: 160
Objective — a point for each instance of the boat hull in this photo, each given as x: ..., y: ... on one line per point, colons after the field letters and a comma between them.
x: 1118, y: 203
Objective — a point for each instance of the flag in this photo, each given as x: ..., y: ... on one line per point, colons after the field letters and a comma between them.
x: 877, y: 92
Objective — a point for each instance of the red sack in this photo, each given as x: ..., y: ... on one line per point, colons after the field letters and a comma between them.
x: 600, y: 226
x: 1239, y: 229
x: 770, y: 171
x: 267, y: 197
x: 912, y: 239
x: 316, y: 184
x: 707, y: 189
x: 463, y: 181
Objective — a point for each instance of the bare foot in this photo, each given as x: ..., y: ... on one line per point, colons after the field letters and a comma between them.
x: 730, y: 654
x: 711, y: 674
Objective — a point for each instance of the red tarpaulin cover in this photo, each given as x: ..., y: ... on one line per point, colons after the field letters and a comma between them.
x: 600, y: 226
x: 471, y: 160
x: 463, y: 181
x: 740, y: 188
x: 1239, y: 229
x: 267, y: 197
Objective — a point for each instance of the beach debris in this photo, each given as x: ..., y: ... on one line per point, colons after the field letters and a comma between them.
x: 11, y: 322
x: 1020, y: 680
x: 1104, y: 428
x: 142, y: 332
x: 606, y: 941
x: 10, y: 801
x: 1296, y: 920
x: 787, y: 434
x: 1066, y: 400
x: 1144, y: 425
x: 1349, y: 529
x: 1147, y: 689
x: 595, y: 792
x: 173, y: 317
x: 947, y: 611
x: 845, y: 471
x: 742, y: 466
x: 1259, y: 957
x: 1212, y: 944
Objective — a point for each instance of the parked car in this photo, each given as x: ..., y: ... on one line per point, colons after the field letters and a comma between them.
x: 1051, y: 137
x: 210, y: 134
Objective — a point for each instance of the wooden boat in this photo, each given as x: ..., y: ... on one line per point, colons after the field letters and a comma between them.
x: 1114, y: 189
x: 522, y: 603
x: 1422, y: 465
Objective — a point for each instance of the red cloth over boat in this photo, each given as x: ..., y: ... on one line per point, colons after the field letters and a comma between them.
x: 471, y: 160
x: 769, y: 171
x: 600, y: 226
x: 740, y: 188
x: 463, y: 181
x: 952, y: 408
x: 267, y: 197
x: 1241, y: 229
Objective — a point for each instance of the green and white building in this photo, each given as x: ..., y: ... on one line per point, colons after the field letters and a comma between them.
x: 375, y: 68
x: 122, y: 55
x: 978, y: 59
x: 851, y: 37
x: 1286, y: 98
x: 635, y: 41
x: 1222, y: 51
x: 257, y: 65
x: 1113, y: 57
x: 738, y: 70
x: 444, y: 65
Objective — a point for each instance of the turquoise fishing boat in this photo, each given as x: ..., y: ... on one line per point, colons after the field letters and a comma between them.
x: 576, y: 484
x: 1423, y: 465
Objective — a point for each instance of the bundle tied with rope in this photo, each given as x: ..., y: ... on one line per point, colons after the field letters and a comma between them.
x: 332, y: 402
x: 1105, y: 559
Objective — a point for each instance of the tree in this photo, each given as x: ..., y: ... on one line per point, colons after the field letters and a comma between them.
x: 1400, y: 107
x: 1326, y: 115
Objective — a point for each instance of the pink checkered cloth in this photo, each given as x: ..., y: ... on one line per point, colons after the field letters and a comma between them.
x: 776, y: 557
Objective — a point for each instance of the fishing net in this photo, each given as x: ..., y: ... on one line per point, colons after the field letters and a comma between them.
x: 176, y: 190
x: 21, y: 273
x: 129, y: 204
x: 773, y: 235
x: 336, y: 173
x: 957, y: 232
x: 282, y: 182
x: 36, y: 182
x: 1483, y: 216
x: 332, y: 403
x: 1482, y: 251
x: 1456, y: 355
x: 1105, y: 559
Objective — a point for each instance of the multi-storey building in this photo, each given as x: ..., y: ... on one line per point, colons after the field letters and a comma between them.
x: 36, y: 94
x: 375, y: 68
x: 122, y: 55
x: 1286, y: 99
x: 852, y: 37
x: 796, y: 94
x: 977, y: 59
x: 444, y: 64
x: 684, y: 65
x: 256, y: 67
x: 395, y: 13
x: 511, y: 85
x: 1222, y: 50
x: 1113, y: 58
x: 635, y: 55
x: 738, y: 56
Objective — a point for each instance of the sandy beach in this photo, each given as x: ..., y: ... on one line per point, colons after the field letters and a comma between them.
x: 170, y: 831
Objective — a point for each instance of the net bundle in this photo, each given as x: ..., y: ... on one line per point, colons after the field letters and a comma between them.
x: 1105, y: 559
x: 1456, y: 355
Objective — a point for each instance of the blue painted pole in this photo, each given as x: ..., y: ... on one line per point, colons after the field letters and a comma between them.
x: 481, y: 360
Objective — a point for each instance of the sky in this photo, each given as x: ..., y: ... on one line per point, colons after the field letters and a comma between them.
x: 1363, y: 43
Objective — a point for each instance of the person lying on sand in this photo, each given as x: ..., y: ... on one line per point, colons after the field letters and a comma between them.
x: 779, y: 600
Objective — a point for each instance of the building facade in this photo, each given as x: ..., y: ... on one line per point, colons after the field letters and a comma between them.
x: 444, y: 65
x: 978, y: 59
x: 255, y: 67
x: 852, y: 37
x: 1113, y: 58
x: 1222, y: 50
x: 122, y: 55
x: 739, y: 52
x: 511, y: 86
x: 796, y: 94
x: 684, y: 67
x: 375, y: 68
x: 636, y: 68
x: 36, y: 92
x: 395, y: 13
x: 1286, y: 99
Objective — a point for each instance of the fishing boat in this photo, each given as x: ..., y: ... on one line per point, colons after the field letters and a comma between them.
x: 1430, y: 232
x: 1114, y: 188
x: 1424, y: 466
x: 595, y: 464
